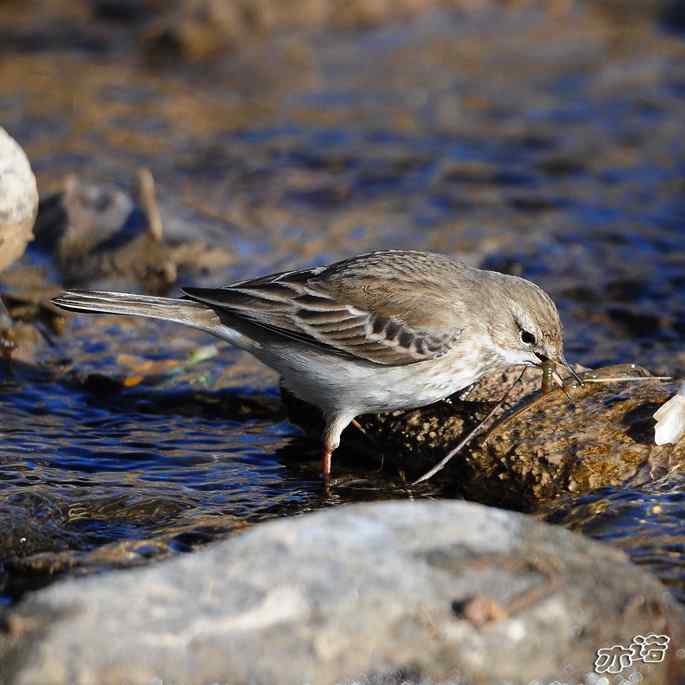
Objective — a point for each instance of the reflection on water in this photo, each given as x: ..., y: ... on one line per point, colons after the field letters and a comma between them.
x: 555, y: 152
x: 648, y: 523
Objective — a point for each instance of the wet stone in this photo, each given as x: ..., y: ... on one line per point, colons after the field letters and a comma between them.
x: 200, y: 29
x: 576, y: 441
x: 101, y: 236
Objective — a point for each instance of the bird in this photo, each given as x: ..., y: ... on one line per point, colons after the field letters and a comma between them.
x: 381, y: 331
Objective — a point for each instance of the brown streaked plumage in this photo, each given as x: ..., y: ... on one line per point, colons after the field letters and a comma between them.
x: 381, y: 331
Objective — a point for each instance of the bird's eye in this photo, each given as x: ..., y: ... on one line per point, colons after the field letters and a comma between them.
x: 527, y: 338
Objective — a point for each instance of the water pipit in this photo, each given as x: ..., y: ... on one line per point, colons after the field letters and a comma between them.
x: 378, y: 332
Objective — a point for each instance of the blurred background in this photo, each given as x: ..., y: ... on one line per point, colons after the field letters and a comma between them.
x: 203, y: 141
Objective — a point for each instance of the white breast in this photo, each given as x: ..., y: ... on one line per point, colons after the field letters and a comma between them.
x: 340, y: 384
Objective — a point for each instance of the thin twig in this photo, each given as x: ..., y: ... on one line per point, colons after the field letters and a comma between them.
x: 623, y: 379
x: 148, y: 199
x: 441, y: 464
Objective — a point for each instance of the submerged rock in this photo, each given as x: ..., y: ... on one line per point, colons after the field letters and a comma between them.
x: 199, y: 29
x: 102, y: 237
x: 382, y: 593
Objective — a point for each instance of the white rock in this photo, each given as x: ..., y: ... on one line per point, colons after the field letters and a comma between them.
x: 670, y: 419
x: 18, y: 200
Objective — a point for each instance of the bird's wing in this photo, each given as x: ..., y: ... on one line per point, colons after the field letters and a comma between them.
x: 362, y: 318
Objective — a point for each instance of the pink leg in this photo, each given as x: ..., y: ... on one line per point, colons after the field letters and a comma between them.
x: 335, y: 425
x: 326, y: 460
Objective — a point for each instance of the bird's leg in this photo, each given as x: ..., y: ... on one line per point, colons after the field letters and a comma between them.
x: 326, y: 461
x: 335, y: 425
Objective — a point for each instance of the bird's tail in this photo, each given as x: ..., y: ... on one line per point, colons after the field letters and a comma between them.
x: 183, y: 311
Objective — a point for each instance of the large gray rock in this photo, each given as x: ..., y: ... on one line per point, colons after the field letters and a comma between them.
x: 431, y: 592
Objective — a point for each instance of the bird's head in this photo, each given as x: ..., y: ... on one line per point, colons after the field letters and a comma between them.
x: 530, y: 332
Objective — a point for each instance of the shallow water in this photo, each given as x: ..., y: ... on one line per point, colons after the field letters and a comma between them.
x: 556, y: 153
x: 646, y: 522
x: 95, y: 475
